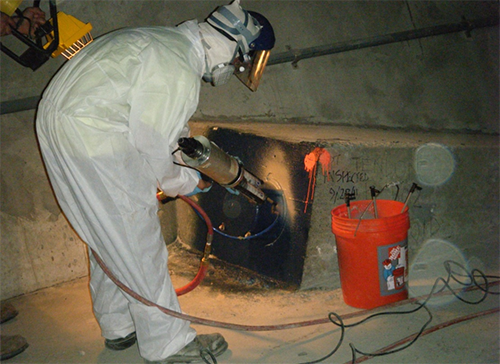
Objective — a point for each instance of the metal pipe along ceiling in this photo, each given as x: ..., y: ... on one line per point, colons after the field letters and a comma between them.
x: 296, y: 55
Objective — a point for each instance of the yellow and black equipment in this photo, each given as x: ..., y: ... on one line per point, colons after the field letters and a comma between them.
x: 62, y: 35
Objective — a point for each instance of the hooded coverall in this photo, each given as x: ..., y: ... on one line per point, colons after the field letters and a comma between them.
x: 107, y: 125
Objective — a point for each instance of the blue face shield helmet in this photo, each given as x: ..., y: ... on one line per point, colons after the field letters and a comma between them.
x: 254, y: 36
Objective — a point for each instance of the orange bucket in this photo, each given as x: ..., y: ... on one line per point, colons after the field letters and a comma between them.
x: 372, y: 252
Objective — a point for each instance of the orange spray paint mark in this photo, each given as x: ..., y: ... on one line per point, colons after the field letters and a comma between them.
x: 325, y: 159
x: 310, y: 165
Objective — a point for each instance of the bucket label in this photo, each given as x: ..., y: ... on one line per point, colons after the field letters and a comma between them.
x: 392, y: 267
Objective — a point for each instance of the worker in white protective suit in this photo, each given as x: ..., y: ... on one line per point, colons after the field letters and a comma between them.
x: 107, y: 126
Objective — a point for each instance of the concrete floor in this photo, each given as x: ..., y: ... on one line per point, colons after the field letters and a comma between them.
x: 60, y: 327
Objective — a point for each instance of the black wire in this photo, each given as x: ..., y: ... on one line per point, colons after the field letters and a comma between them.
x: 422, y: 329
x: 487, y: 286
x: 397, y: 193
x: 184, y: 165
x: 452, y: 274
x: 385, y: 314
x: 339, y: 343
x: 471, y: 276
x: 204, y: 352
x: 389, y: 185
x: 419, y: 192
x: 472, y: 281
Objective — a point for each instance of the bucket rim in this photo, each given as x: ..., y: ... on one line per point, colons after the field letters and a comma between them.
x: 366, y: 204
x: 343, y: 225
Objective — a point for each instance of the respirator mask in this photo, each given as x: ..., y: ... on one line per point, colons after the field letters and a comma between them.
x: 220, y: 74
x: 254, y: 37
x: 248, y: 68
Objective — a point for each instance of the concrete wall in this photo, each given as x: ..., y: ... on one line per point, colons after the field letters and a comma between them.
x: 38, y: 247
x: 444, y: 83
x: 455, y: 216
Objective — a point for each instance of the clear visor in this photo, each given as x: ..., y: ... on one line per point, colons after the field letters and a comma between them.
x: 250, y: 72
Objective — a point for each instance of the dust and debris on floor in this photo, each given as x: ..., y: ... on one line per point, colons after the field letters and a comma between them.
x: 223, y: 276
x: 60, y: 327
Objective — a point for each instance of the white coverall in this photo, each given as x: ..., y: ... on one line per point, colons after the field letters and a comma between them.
x: 107, y: 125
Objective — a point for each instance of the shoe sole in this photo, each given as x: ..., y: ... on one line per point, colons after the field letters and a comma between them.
x: 14, y: 353
x: 8, y: 314
x: 120, y: 344
x: 183, y: 359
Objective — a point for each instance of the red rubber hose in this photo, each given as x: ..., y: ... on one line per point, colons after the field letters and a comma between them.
x: 239, y: 327
x: 202, y: 271
x: 195, y: 282
x: 206, y: 254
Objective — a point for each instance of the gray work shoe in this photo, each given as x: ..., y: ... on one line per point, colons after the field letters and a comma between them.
x: 202, y: 349
x: 10, y: 346
x: 121, y: 343
x: 8, y: 312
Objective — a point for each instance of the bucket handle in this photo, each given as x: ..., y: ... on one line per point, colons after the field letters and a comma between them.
x: 361, y: 216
